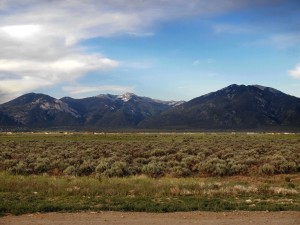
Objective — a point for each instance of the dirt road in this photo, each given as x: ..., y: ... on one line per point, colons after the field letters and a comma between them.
x: 118, y: 218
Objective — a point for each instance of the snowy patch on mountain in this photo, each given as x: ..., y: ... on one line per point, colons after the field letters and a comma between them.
x: 126, y: 97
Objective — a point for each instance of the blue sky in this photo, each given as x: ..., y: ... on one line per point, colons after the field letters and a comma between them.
x: 169, y: 50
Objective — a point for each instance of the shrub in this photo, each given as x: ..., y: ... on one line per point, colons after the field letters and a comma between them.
x: 281, y: 164
x: 288, y: 167
x: 278, y: 161
x: 215, y: 167
x: 21, y: 168
x: 238, y: 169
x: 190, y: 162
x: 179, y: 171
x: 117, y: 169
x: 70, y: 171
x: 158, y: 152
x: 154, y: 169
x: 266, y: 169
x: 102, y: 166
x: 42, y: 165
x: 86, y: 168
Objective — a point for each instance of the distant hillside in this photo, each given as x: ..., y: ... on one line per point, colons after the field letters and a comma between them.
x: 117, y: 111
x: 103, y: 111
x: 236, y: 107
x: 39, y: 110
x: 233, y: 107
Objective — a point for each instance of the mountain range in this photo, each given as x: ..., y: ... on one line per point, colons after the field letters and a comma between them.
x: 236, y: 107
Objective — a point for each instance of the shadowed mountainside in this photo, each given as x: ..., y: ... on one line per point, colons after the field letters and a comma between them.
x: 236, y: 107
x: 233, y: 107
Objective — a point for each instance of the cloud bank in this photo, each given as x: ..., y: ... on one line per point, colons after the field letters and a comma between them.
x: 40, y: 39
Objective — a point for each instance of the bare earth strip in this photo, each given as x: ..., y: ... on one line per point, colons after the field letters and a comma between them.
x: 134, y: 218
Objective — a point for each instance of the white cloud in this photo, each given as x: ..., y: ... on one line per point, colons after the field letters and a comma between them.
x: 79, y: 89
x: 74, y: 20
x: 33, y: 74
x: 21, y: 31
x: 73, y: 65
x: 295, y: 72
x: 40, y: 39
x: 33, y: 56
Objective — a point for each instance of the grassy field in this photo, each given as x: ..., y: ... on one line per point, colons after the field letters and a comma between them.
x: 153, y: 172
x: 28, y: 194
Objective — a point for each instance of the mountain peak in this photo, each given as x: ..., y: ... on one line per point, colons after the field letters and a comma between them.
x: 28, y: 98
x: 232, y: 87
x: 126, y: 96
x: 235, y: 88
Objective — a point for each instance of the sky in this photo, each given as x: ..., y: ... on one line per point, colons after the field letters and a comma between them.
x: 163, y: 49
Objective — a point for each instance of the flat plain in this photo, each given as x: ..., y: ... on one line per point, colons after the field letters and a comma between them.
x: 149, y: 172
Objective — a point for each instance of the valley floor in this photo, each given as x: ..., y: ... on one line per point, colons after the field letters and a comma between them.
x: 116, y: 218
